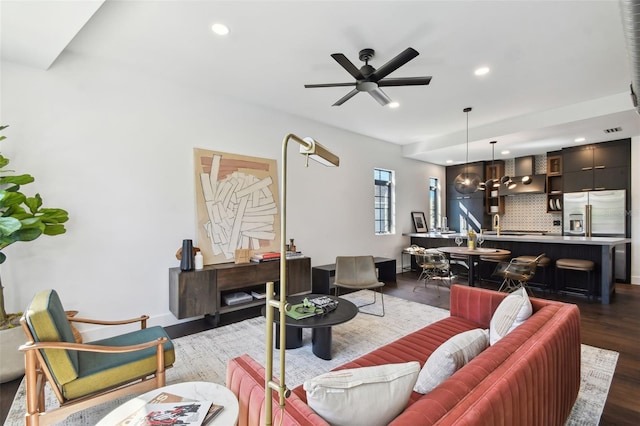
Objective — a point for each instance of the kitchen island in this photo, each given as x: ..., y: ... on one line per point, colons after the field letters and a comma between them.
x: 600, y: 250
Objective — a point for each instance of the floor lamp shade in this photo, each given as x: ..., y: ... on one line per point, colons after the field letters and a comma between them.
x: 311, y: 149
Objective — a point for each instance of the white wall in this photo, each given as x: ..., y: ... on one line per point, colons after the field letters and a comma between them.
x: 114, y: 148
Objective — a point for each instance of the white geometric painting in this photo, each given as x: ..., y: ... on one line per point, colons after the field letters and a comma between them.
x: 237, y: 204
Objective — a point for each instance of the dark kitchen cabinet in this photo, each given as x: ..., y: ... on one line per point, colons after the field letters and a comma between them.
x: 612, y: 154
x: 466, y: 206
x: 601, y: 166
x: 579, y: 158
x: 611, y: 178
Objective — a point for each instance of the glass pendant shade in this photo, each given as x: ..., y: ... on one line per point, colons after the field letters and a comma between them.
x: 467, y: 183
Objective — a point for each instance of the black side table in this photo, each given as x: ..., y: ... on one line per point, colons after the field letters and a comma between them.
x: 320, y: 325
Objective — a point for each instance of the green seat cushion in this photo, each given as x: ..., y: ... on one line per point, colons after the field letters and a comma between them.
x: 98, y: 371
x: 48, y: 323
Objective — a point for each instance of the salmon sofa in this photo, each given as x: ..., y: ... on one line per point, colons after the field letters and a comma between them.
x: 529, y: 377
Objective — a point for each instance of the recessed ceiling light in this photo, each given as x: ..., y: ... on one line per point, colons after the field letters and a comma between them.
x: 394, y: 105
x: 482, y: 71
x: 449, y: 161
x: 505, y: 152
x: 579, y: 140
x: 220, y: 29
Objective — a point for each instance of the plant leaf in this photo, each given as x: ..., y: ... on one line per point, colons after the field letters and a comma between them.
x: 18, y: 180
x: 29, y: 234
x: 3, y: 257
x: 8, y: 198
x: 9, y: 225
x: 54, y: 229
x: 53, y: 215
x: 34, y: 203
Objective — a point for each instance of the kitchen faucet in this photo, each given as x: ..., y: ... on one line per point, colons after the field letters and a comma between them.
x: 496, y: 224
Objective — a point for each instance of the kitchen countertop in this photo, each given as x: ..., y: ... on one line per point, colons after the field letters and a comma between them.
x: 551, y: 239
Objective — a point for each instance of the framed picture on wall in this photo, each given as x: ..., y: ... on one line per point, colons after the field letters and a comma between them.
x: 419, y: 222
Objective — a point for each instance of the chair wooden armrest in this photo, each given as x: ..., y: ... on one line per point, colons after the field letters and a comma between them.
x: 143, y: 321
x: 91, y: 348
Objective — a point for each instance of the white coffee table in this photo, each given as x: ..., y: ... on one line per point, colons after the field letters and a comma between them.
x: 198, y: 391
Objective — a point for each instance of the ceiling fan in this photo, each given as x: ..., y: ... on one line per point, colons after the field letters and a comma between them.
x: 370, y: 80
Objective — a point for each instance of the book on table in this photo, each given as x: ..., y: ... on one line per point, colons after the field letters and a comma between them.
x: 261, y: 257
x: 168, y: 408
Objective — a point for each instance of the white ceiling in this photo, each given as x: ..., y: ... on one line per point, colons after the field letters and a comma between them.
x: 558, y: 68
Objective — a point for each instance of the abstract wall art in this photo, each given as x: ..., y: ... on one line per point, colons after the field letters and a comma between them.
x: 237, y: 204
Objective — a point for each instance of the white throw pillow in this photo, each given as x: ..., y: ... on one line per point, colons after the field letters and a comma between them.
x: 511, y: 312
x: 450, y: 357
x: 362, y: 396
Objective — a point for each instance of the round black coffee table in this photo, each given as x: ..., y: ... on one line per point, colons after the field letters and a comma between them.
x: 320, y: 325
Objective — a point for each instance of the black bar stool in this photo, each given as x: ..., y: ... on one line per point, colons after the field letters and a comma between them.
x: 579, y: 265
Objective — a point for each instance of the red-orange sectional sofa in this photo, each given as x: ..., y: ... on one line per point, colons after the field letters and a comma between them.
x: 529, y: 377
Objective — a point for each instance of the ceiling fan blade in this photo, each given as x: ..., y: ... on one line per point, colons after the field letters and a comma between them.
x: 347, y: 65
x: 310, y: 86
x: 404, y: 57
x: 346, y: 97
x: 380, y: 96
x: 405, y: 81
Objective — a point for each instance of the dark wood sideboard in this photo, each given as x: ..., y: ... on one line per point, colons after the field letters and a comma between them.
x: 195, y: 293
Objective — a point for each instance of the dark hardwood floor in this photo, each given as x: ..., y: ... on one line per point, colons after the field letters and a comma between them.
x: 615, y: 326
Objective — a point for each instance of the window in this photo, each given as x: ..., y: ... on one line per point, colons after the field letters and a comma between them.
x: 383, y: 201
x: 434, y: 204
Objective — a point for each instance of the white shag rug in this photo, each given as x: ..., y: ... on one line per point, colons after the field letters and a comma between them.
x: 203, y: 357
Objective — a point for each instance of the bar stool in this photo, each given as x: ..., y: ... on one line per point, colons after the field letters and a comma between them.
x: 516, y: 274
x: 544, y: 263
x: 579, y: 265
x: 490, y: 259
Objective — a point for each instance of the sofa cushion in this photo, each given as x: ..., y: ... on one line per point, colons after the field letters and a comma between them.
x: 450, y: 357
x: 512, y: 311
x: 362, y: 396
x: 97, y: 370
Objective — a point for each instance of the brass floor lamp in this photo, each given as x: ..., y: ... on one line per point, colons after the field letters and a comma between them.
x: 311, y: 149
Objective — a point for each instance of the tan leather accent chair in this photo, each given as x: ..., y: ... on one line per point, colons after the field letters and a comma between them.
x: 359, y: 273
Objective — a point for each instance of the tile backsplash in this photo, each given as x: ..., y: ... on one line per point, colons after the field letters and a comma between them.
x: 528, y: 212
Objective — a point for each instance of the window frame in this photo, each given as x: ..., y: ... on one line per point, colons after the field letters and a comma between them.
x: 387, y: 207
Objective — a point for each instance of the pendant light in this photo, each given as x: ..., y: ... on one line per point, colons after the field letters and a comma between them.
x: 467, y: 183
x: 489, y: 183
x: 508, y: 182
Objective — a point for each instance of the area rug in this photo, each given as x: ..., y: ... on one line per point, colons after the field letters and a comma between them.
x: 203, y: 357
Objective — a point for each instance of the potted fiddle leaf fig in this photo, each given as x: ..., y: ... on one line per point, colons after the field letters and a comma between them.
x: 22, y: 218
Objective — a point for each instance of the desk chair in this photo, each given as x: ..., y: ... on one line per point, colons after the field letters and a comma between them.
x: 358, y: 273
x: 82, y: 375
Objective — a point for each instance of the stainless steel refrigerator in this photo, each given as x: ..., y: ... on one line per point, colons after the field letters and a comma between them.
x: 598, y: 214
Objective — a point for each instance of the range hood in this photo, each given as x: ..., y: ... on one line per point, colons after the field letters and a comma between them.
x: 525, y: 166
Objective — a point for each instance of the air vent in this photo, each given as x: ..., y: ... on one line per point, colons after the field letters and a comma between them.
x: 613, y: 130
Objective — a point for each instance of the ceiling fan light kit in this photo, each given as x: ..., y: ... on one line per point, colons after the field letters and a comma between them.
x: 370, y: 80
